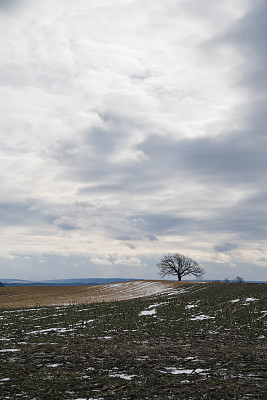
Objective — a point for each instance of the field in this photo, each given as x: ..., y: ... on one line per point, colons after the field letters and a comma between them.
x: 193, y: 341
x: 37, y: 296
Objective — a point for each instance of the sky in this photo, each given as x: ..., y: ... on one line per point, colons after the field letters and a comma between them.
x: 130, y: 129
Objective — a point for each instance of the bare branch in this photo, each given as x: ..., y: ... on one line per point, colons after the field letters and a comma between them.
x: 179, y: 265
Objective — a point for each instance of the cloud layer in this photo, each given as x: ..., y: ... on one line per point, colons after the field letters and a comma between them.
x: 129, y: 129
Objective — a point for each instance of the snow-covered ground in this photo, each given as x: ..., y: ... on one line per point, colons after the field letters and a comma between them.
x: 136, y: 288
x: 131, y: 290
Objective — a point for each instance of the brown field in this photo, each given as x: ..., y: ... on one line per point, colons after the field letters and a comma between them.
x: 35, y: 296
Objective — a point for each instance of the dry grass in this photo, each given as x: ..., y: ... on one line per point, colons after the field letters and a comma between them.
x: 32, y: 296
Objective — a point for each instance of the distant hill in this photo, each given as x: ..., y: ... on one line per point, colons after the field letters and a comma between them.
x: 64, y: 282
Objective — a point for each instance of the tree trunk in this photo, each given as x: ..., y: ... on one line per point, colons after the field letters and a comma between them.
x: 179, y: 278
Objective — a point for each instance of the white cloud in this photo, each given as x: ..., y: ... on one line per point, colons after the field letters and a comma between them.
x: 122, y: 155
x: 129, y: 261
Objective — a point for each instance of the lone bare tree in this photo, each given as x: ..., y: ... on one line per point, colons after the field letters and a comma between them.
x: 179, y: 265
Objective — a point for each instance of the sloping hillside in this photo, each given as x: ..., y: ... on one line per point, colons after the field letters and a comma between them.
x: 23, y: 297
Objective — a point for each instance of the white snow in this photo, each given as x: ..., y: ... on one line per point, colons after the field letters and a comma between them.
x: 156, y: 305
x: 53, y: 365
x: 190, y: 306
x: 60, y: 330
x: 9, y: 350
x: 136, y: 289
x: 176, y: 371
x: 123, y: 376
x: 147, y: 312
x: 247, y: 300
x: 200, y: 317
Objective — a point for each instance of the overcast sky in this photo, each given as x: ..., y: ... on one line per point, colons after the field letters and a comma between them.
x: 129, y: 129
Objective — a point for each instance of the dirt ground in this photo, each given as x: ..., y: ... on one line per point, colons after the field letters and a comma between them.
x: 204, y: 341
x: 35, y: 296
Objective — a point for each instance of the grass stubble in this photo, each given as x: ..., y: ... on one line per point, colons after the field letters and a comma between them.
x: 200, y: 341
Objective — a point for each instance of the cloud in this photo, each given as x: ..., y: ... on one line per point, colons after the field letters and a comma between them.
x: 262, y: 259
x: 226, y: 247
x: 65, y: 224
x: 5, y: 5
x: 130, y: 245
x: 132, y: 128
x: 129, y: 261
x: 152, y: 238
x: 101, y: 260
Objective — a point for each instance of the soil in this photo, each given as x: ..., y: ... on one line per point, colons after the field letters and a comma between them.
x: 35, y: 296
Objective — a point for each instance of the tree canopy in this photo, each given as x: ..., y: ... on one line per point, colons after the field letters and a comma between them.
x: 179, y: 265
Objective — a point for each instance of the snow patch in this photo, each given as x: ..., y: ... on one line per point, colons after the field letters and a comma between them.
x: 201, y: 317
x: 147, y: 312
x: 190, y: 306
x: 176, y: 371
x: 59, y: 330
x: 122, y: 376
x: 9, y: 350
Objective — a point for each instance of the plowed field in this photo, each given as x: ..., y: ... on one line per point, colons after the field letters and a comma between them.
x: 32, y: 296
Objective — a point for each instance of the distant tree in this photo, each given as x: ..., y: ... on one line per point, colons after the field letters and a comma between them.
x: 238, y: 279
x: 2, y: 284
x: 179, y: 265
